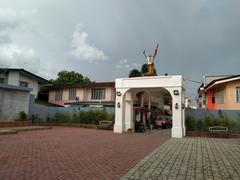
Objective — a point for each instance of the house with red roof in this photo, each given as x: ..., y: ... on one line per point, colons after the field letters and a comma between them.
x: 220, y: 92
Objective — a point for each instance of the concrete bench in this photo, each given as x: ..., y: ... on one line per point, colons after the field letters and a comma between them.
x: 105, y: 125
x: 219, y: 130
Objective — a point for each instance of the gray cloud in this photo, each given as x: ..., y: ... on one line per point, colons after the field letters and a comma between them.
x: 8, y: 22
x: 196, y: 37
x: 126, y: 64
x: 13, y: 55
x: 82, y: 49
x: 8, y: 19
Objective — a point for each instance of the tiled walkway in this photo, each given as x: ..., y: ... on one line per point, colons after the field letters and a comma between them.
x: 191, y: 158
x: 73, y: 153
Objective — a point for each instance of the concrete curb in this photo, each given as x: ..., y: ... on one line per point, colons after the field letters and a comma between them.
x: 15, y: 130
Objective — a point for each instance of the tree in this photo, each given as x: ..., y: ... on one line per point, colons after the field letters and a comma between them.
x: 134, y: 73
x: 68, y: 78
x: 144, y: 68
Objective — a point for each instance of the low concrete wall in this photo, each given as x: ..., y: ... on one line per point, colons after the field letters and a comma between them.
x: 13, y: 100
x: 89, y: 126
x: 15, y: 123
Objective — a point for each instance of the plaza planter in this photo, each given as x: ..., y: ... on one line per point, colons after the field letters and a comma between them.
x: 15, y: 123
x: 89, y: 126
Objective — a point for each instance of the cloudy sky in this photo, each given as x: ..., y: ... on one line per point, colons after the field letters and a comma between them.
x: 105, y: 39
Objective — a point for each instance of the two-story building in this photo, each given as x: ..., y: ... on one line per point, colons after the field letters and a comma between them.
x: 220, y: 92
x: 96, y: 93
x: 23, y: 78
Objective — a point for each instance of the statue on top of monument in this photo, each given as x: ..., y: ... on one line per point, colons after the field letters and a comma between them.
x: 150, y: 61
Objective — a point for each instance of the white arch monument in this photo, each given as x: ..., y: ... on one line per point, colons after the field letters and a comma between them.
x: 125, y: 88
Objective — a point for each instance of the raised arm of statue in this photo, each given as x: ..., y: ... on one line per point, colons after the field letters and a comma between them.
x: 155, y: 51
x: 144, y: 53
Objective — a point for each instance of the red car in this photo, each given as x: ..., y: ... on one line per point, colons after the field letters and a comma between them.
x: 163, y: 121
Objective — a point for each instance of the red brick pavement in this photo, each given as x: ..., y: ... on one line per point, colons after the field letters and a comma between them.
x: 72, y: 153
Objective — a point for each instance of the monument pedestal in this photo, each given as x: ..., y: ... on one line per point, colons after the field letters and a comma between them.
x: 147, y: 74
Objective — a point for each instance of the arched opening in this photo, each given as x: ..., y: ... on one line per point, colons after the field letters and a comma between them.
x: 151, y: 109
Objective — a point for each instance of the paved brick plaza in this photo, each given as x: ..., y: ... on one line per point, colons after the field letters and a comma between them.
x: 191, y: 158
x: 73, y: 153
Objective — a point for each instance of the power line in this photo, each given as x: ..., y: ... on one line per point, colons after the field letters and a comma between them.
x: 198, y: 82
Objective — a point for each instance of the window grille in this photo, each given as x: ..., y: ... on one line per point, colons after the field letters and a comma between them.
x: 98, y: 93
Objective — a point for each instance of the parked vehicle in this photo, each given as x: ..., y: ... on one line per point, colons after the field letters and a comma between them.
x: 163, y: 121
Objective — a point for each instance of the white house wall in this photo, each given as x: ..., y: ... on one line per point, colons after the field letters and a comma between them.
x: 13, y: 78
x: 32, y: 83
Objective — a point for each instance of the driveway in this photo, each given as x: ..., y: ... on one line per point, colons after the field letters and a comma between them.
x: 73, y: 153
x: 191, y: 158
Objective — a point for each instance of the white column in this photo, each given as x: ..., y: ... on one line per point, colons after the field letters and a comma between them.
x: 149, y: 100
x: 177, y: 123
x: 183, y: 113
x: 119, y: 126
x: 142, y: 100
x: 129, y: 111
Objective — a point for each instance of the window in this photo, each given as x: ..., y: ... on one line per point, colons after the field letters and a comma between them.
x: 204, y: 102
x: 238, y: 94
x: 98, y: 93
x: 58, y: 95
x: 1, y: 80
x: 23, y: 84
x: 213, y: 100
x: 220, y: 97
x: 72, y: 94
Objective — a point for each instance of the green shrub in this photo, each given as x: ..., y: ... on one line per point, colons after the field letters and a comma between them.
x: 190, y: 123
x: 93, y: 117
x: 232, y: 125
x: 228, y: 122
x: 63, y: 117
x: 200, y: 125
x: 208, y: 120
x: 83, y: 117
x: 215, y: 122
x: 74, y: 117
x: 36, y: 119
x: 111, y: 117
x: 49, y: 119
x: 224, y: 121
x: 22, y: 116
x: 100, y: 115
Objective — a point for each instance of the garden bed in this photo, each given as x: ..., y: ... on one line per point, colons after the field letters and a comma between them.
x: 89, y: 126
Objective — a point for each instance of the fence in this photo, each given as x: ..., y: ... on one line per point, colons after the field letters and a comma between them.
x: 200, y: 114
x: 44, y: 112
